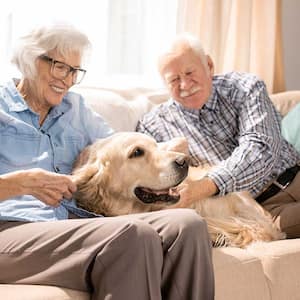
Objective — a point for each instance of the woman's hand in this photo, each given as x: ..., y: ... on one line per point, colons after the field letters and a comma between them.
x: 46, y: 186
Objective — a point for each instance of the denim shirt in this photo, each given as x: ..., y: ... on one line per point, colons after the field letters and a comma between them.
x: 24, y: 144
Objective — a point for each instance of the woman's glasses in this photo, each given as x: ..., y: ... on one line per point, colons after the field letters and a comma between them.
x: 60, y: 70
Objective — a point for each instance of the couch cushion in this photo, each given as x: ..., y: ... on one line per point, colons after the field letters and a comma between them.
x: 119, y: 113
x: 238, y: 275
x: 39, y: 292
x: 281, y: 264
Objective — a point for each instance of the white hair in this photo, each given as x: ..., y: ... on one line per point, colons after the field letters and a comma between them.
x: 185, y: 39
x: 61, y: 37
x: 193, y: 42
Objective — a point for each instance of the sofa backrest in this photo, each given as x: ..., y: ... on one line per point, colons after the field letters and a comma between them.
x: 285, y: 101
x: 123, y: 108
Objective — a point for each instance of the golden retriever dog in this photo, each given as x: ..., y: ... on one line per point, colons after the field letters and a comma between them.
x: 130, y: 173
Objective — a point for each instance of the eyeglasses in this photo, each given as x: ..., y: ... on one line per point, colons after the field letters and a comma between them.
x: 60, y: 70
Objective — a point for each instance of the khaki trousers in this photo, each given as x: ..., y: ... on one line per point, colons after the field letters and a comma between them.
x: 285, y: 208
x: 159, y: 255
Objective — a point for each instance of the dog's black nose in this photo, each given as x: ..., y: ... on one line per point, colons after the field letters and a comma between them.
x: 181, y: 162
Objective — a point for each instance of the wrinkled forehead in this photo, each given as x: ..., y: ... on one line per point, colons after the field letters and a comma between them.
x: 178, y: 60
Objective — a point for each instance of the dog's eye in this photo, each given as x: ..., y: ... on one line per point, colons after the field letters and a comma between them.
x: 137, y: 152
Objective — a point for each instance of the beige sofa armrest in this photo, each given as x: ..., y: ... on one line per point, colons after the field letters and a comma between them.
x: 285, y: 101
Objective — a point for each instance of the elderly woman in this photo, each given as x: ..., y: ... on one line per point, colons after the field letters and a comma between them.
x: 44, y: 237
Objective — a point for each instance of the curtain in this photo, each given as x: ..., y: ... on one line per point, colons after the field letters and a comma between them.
x: 126, y: 36
x: 240, y: 35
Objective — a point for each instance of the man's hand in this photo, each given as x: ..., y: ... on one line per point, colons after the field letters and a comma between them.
x: 47, y: 186
x: 191, y: 191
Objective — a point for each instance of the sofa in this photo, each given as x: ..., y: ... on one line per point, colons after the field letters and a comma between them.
x: 260, y: 272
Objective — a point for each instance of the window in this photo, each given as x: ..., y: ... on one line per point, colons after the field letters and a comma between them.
x: 126, y: 35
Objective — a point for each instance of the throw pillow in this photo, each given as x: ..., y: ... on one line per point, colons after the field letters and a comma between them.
x: 290, y: 127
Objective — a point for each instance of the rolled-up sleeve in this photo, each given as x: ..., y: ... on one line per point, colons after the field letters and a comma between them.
x: 258, y: 147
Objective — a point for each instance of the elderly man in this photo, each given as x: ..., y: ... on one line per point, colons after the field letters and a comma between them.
x: 230, y: 123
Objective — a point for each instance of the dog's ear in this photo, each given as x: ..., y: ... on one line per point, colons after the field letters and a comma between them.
x: 178, y: 144
x: 91, y: 180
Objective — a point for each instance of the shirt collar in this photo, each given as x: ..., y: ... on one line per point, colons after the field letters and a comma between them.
x: 211, y: 104
x: 14, y: 100
x: 60, y: 109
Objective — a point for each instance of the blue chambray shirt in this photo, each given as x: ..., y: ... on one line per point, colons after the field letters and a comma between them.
x: 68, y: 128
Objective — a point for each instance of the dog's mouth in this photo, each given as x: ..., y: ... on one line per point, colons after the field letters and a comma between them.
x: 168, y: 195
x: 149, y: 196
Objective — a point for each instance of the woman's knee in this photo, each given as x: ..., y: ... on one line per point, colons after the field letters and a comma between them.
x: 143, y: 232
x: 184, y: 219
x: 118, y: 232
x: 137, y: 240
x: 140, y: 236
x: 184, y: 225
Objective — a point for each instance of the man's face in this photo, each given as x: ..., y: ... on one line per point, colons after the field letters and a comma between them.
x: 188, y: 78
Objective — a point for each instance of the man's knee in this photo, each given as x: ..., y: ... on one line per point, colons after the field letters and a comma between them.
x: 287, y: 218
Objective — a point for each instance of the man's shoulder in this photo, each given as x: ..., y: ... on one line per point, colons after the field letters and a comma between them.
x: 242, y: 81
x: 157, y: 112
x: 234, y: 78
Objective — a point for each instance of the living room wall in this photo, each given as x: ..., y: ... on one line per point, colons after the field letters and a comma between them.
x: 291, y: 43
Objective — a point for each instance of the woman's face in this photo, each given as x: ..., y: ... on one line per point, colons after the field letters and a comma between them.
x: 51, y: 89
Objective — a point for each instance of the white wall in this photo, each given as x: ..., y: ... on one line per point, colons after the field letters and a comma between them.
x: 291, y: 43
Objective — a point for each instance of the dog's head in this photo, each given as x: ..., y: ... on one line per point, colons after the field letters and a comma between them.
x: 129, y: 172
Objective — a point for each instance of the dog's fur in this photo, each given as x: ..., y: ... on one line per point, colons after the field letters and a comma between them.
x: 130, y: 173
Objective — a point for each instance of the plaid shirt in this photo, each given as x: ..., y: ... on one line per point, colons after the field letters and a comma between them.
x: 237, y: 131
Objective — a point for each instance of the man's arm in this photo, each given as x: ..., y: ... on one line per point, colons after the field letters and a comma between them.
x: 258, y: 153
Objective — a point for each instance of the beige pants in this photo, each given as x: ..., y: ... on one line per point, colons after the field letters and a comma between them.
x: 285, y: 208
x: 159, y: 255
